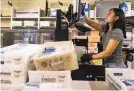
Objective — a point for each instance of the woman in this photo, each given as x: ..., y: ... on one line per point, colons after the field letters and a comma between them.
x: 112, y: 39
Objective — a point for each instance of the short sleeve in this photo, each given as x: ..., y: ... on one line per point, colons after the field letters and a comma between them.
x: 117, y: 34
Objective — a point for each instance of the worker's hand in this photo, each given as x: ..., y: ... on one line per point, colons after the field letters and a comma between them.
x: 65, y: 20
x: 86, y: 58
x: 82, y: 8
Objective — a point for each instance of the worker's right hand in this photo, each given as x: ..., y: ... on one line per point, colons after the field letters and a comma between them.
x: 82, y: 8
x: 86, y: 58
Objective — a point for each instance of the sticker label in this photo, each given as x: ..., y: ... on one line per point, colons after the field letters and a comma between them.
x: 56, y: 63
x: 46, y: 79
x: 33, y: 85
x: 6, y: 81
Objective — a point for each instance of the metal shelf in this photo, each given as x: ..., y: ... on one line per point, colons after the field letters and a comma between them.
x: 28, y: 27
x: 50, y: 27
x: 5, y: 28
x: 27, y: 31
x: 47, y: 18
x: 100, y: 17
x: 5, y: 18
x: 24, y: 18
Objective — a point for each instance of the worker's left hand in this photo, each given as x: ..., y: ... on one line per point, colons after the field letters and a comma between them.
x: 86, y: 58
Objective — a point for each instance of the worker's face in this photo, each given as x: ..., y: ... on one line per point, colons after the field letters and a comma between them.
x: 111, y: 17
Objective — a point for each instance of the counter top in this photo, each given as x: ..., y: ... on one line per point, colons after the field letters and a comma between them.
x: 90, y: 85
x: 75, y: 85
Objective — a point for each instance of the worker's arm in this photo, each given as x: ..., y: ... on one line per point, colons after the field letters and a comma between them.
x: 112, y: 44
x: 92, y: 23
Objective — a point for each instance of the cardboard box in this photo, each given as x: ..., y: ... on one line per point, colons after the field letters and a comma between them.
x: 57, y: 56
x: 92, y: 50
x: 94, y: 32
x: 92, y: 45
x: 133, y: 30
x: 79, y: 37
x: 93, y: 39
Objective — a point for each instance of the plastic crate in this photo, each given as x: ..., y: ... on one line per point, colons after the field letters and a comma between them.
x: 119, y: 78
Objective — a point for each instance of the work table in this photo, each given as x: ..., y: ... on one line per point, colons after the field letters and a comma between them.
x: 90, y: 85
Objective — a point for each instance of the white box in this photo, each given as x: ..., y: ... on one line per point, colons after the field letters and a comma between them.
x: 17, y: 23
x: 19, y: 54
x: 44, y: 23
x: 29, y: 23
x: 53, y: 12
x: 129, y: 36
x: 130, y: 64
x: 92, y: 50
x: 42, y: 86
x: 92, y: 13
x: 12, y: 74
x: 28, y: 13
x: 63, y: 77
x: 115, y: 76
x: 15, y: 62
x: 126, y: 44
x: 7, y: 87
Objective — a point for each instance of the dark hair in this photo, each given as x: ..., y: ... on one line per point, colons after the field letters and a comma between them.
x: 120, y: 23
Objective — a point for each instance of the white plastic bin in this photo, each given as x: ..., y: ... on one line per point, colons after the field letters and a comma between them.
x: 115, y: 76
